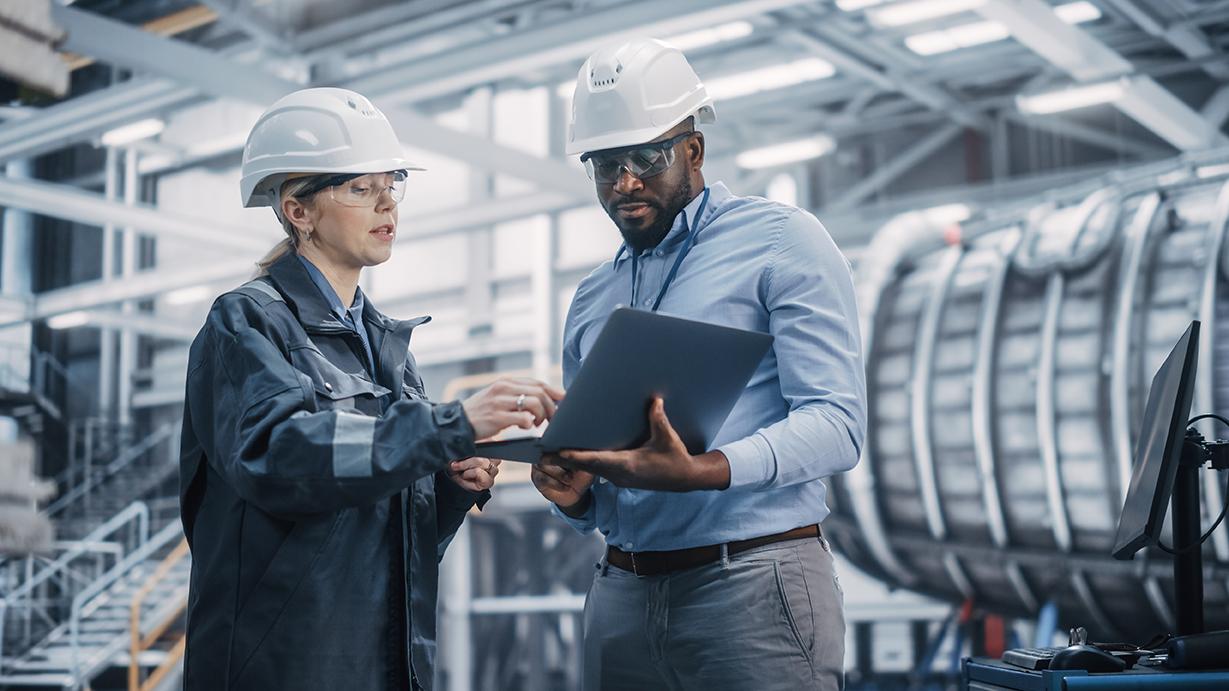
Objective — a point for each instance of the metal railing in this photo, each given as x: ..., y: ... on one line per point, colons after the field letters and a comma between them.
x: 22, y: 596
x: 126, y: 458
x: 164, y: 622
x: 83, y: 603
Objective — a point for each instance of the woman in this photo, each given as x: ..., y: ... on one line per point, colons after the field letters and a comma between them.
x: 319, y: 487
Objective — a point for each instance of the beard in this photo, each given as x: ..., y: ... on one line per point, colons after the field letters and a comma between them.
x: 643, y: 237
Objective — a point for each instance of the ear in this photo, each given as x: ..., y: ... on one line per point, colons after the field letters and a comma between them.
x: 298, y: 213
x: 695, y: 151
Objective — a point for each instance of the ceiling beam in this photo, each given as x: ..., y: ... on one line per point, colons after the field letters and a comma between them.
x: 120, y: 44
x: 85, y: 116
x: 71, y: 203
x: 884, y: 175
x: 571, y: 40
x: 933, y: 97
x: 1187, y: 39
x: 153, y: 282
x: 1108, y: 140
x: 1034, y: 24
x: 259, y: 28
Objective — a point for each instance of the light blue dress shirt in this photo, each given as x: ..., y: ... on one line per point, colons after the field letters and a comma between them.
x: 762, y: 266
x: 351, y: 317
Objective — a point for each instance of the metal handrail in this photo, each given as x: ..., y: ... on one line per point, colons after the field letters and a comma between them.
x: 124, y: 460
x: 142, y: 643
x: 134, y: 559
x: 136, y: 509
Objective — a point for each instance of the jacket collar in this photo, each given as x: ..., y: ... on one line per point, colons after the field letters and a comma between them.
x: 390, y: 338
x: 313, y: 310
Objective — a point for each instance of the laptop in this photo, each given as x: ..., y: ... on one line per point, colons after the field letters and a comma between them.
x: 699, y: 369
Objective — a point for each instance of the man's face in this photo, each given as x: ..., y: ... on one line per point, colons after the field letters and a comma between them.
x: 644, y: 208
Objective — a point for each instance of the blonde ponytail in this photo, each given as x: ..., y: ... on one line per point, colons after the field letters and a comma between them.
x: 278, y: 251
x: 290, y: 243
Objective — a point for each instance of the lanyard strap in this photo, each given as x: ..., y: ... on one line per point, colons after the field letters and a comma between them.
x: 678, y: 261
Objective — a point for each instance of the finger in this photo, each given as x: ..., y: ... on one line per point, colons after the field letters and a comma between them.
x: 553, y: 472
x: 554, y: 392
x: 466, y: 464
x: 530, y: 403
x: 591, y: 456
x: 661, y: 430
x: 546, y: 482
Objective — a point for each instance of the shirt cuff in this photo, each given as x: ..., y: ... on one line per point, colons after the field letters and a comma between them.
x: 587, y: 521
x: 752, y: 464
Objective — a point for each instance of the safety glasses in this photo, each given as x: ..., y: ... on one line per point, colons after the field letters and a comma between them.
x: 351, y: 189
x: 642, y: 161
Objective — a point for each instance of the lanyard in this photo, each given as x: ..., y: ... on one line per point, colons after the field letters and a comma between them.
x: 687, y: 244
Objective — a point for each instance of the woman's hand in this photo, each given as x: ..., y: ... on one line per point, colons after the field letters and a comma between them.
x: 474, y: 474
x: 523, y: 403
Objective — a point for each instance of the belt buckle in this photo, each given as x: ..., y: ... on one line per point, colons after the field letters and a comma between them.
x: 635, y: 569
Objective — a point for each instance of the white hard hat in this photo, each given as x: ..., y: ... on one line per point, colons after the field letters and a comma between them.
x: 321, y: 130
x: 633, y: 93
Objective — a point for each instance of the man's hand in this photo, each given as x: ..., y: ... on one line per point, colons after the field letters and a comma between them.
x: 568, y: 489
x: 661, y: 464
x: 474, y: 474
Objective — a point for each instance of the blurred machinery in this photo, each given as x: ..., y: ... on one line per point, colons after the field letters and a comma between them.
x: 1008, y: 364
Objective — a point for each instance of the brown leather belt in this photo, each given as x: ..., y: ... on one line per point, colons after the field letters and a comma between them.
x: 657, y: 563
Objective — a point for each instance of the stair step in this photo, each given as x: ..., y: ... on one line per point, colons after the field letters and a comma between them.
x: 60, y: 680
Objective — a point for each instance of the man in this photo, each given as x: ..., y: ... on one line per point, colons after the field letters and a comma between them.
x: 716, y: 575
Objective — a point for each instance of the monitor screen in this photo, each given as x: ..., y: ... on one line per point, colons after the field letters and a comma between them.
x: 1159, y: 448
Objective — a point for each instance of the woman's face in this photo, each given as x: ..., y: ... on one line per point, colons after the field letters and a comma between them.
x: 353, y: 224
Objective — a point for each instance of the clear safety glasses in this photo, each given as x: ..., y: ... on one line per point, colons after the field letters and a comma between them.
x: 642, y: 161
x: 349, y: 189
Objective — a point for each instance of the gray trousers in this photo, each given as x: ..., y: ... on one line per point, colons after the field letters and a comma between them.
x: 766, y: 619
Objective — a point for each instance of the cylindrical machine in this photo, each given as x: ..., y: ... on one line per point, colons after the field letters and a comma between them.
x: 1007, y: 375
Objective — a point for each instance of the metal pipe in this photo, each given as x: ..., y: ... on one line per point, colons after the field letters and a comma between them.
x: 1046, y: 416
x: 982, y: 395
x: 1204, y: 386
x: 1121, y: 374
x: 920, y: 392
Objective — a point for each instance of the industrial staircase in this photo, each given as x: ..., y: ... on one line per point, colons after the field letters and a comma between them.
x: 94, y: 644
x: 119, y: 564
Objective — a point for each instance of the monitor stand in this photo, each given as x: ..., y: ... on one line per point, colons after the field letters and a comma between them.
x: 1187, y: 527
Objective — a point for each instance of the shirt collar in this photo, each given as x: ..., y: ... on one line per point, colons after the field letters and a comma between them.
x: 330, y: 295
x: 718, y: 192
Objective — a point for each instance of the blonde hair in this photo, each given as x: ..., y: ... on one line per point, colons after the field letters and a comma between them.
x: 290, y: 243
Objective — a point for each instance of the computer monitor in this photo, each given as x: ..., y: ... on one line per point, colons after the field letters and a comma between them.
x: 1159, y: 450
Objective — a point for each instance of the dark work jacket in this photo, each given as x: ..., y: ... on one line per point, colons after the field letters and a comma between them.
x: 310, y: 494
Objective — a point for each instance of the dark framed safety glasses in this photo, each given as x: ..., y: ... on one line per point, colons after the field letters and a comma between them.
x: 642, y: 160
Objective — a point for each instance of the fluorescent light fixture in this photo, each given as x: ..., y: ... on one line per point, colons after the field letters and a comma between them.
x: 1071, y: 98
x: 903, y: 13
x: 707, y: 37
x: 855, y: 5
x: 785, y: 153
x: 1212, y: 171
x: 1078, y: 12
x: 768, y: 78
x: 979, y: 33
x: 135, y: 132
x: 68, y: 320
x: 187, y: 296
x: 963, y: 36
x: 947, y: 214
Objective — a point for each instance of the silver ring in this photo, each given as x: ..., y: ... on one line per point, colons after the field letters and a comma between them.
x: 520, y: 402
